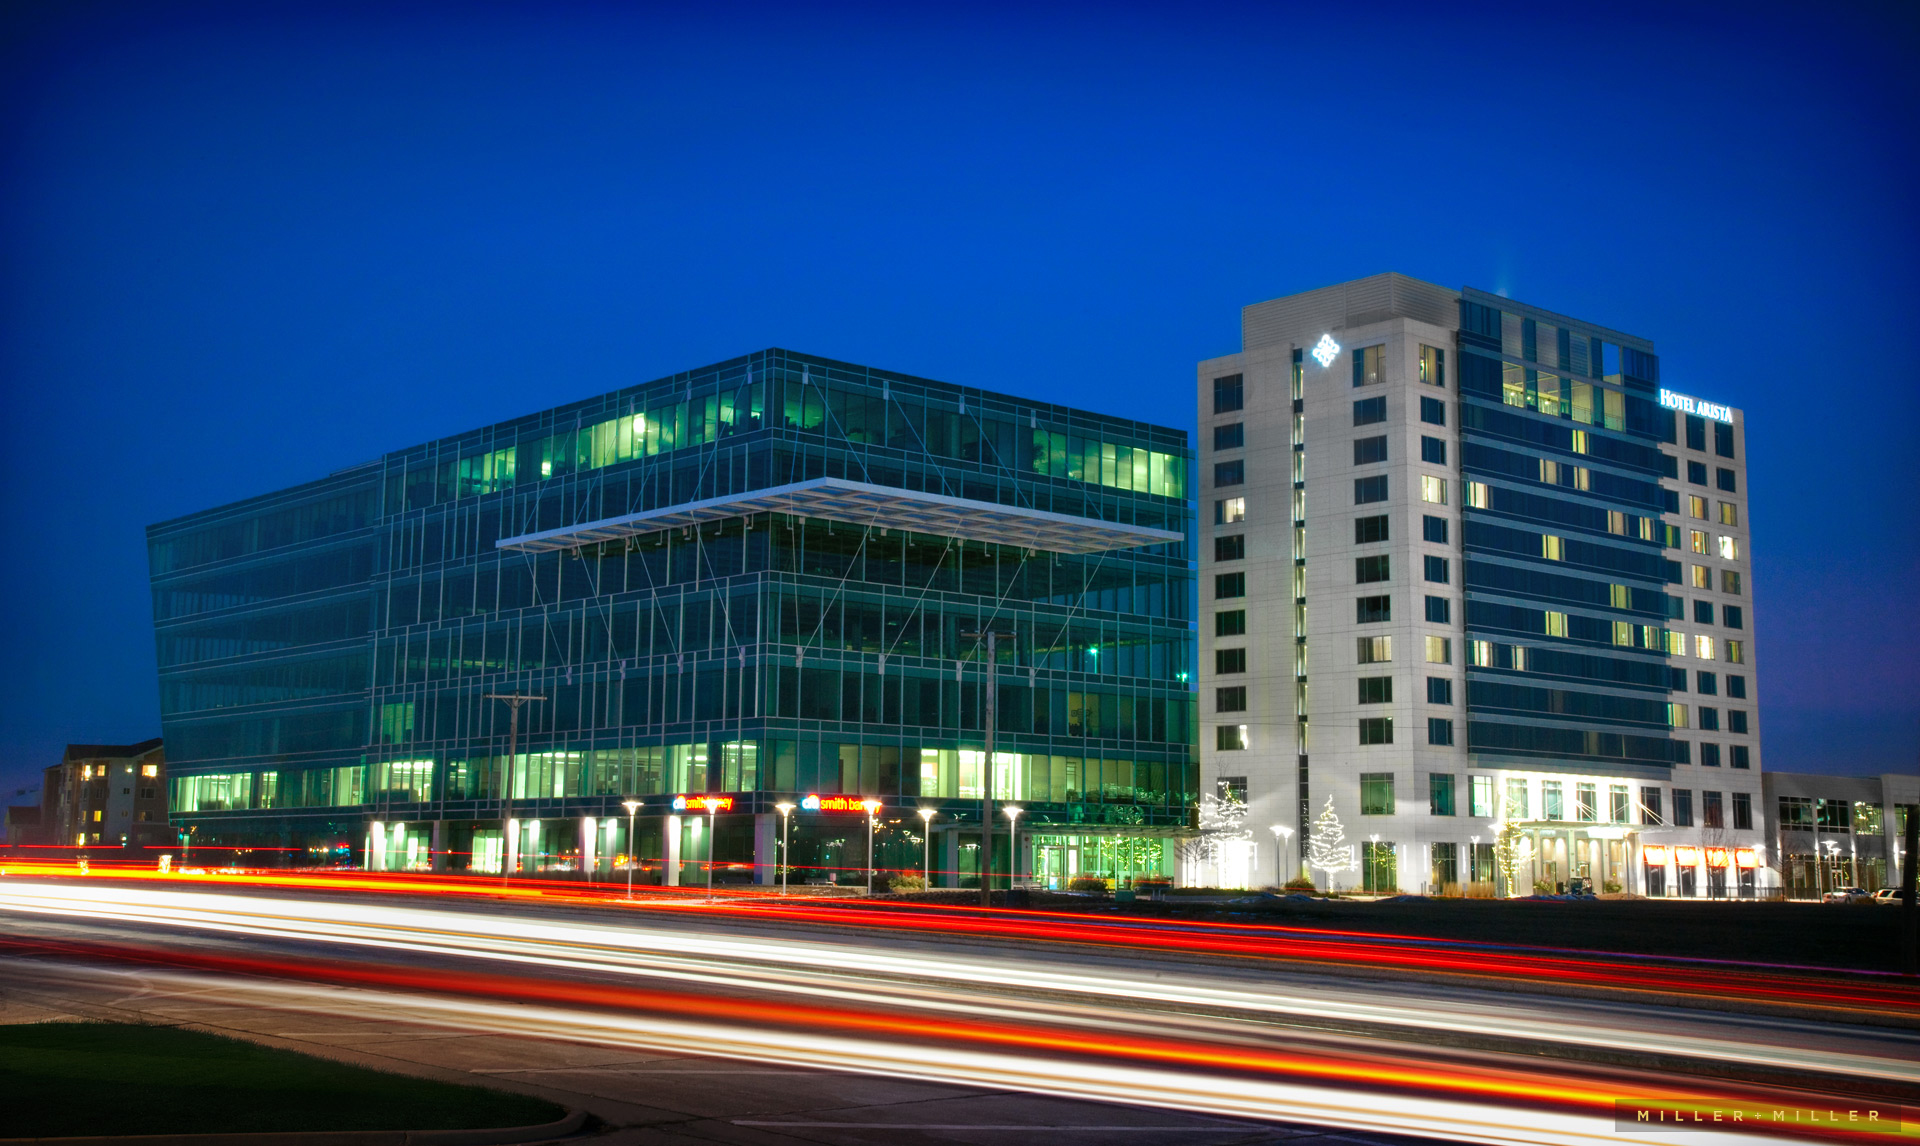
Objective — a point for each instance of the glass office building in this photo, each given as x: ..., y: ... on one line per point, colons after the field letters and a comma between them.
x: 730, y: 589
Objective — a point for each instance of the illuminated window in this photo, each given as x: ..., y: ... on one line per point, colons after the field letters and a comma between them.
x: 1736, y: 652
x: 1373, y: 650
x: 1623, y: 634
x: 1556, y: 624
x: 1480, y: 653
x: 1730, y: 582
x: 1480, y: 796
x: 1477, y: 494
x: 1433, y: 490
x: 1729, y: 513
x: 150, y: 770
x: 1433, y: 366
x: 1585, y: 803
x: 1517, y: 807
x: 1549, y: 472
x: 1729, y: 549
x: 1697, y: 541
x: 1616, y: 523
x: 1619, y: 806
x: 1619, y: 596
x: 1580, y: 440
x: 1228, y: 510
x: 1676, y: 716
x: 1551, y: 801
x: 1703, y: 647
x: 1696, y: 507
x: 1376, y: 789
x: 1553, y: 548
x: 1439, y: 650
x: 1369, y: 366
x: 1230, y: 737
x: 1676, y: 644
x: 1702, y: 576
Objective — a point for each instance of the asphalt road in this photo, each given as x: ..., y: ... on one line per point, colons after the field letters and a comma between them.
x: 678, y: 1023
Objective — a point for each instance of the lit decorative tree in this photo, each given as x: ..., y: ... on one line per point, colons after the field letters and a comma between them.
x: 1223, y: 817
x: 1327, y: 847
x: 1509, y: 851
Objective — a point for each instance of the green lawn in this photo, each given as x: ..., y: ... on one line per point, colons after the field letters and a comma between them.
x: 63, y: 1079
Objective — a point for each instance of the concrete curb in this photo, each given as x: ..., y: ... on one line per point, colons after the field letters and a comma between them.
x: 493, y: 1136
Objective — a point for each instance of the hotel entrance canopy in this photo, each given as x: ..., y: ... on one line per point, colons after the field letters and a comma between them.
x: 858, y: 503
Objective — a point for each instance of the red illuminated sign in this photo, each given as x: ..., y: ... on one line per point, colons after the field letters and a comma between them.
x: 864, y: 804
x: 703, y: 803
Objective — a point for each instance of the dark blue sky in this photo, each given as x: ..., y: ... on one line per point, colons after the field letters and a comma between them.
x: 239, y: 249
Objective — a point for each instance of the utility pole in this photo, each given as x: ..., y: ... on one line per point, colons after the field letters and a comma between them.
x: 1910, y: 893
x: 513, y: 701
x: 986, y: 771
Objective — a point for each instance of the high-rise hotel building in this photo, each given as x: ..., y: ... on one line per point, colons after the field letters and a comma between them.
x: 1475, y: 578
x: 765, y: 582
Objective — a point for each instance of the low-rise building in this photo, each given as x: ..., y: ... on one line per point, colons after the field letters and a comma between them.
x: 1828, y: 832
x: 110, y: 794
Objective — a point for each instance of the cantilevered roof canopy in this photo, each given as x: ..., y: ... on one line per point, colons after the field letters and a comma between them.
x: 858, y: 503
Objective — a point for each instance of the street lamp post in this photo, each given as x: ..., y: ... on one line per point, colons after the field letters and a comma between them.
x: 986, y: 778
x: 632, y: 807
x: 713, y: 809
x: 872, y: 806
x: 786, y: 861
x: 926, y: 838
x: 1013, y: 845
x: 513, y: 701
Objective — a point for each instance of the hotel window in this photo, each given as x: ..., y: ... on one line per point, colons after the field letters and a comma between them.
x: 1729, y: 513
x: 1477, y: 494
x: 1433, y: 490
x: 1366, y: 491
x: 1230, y: 473
x: 1232, y: 547
x: 1702, y: 576
x: 1229, y: 660
x: 1730, y: 582
x: 1676, y: 716
x: 1439, y: 690
x: 1697, y: 541
x: 1737, y: 687
x: 1376, y: 690
x: 1230, y: 737
x: 1711, y: 813
x: 1367, y: 570
x: 1553, y: 548
x: 1697, y: 473
x: 1556, y: 624
x: 1228, y: 510
x: 1709, y: 755
x: 1729, y: 549
x: 1231, y: 436
x: 1549, y: 472
x: 1433, y: 451
x: 1742, y: 812
x: 1703, y: 647
x: 1376, y: 730
x: 1703, y: 612
x: 1230, y: 623
x: 1228, y: 394
x: 1696, y: 432
x: 1433, y: 411
x: 1229, y: 585
x: 1737, y: 720
x: 1439, y: 731
x: 1618, y: 809
x: 1369, y: 366
x: 1373, y: 650
x: 1372, y: 610
x: 1731, y: 616
x: 1682, y: 808
x: 1737, y: 756
x: 1439, y: 610
x: 1368, y: 411
x: 1551, y: 806
x: 1368, y: 530
x: 1367, y: 451
x: 1617, y: 523
x: 1440, y: 790
x: 1433, y: 529
x: 1436, y: 569
x: 1433, y: 365
x: 1736, y: 653
x: 150, y: 770
x: 1230, y: 699
x: 1376, y: 792
x: 1517, y: 800
x: 1623, y: 634
x: 1723, y: 480
x: 1480, y: 653
x: 1709, y: 719
x: 1439, y: 650
x: 1705, y: 683
x: 1480, y: 796
x: 1586, y: 804
x: 1650, y: 807
x: 1723, y: 439
x: 1696, y: 507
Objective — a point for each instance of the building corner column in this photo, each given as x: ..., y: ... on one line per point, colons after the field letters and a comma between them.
x: 766, y: 847
x: 670, y: 852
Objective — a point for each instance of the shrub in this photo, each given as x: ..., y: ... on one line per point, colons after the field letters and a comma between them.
x: 1611, y: 887
x: 1300, y: 883
x: 1543, y: 887
x: 907, y: 883
x: 1087, y: 883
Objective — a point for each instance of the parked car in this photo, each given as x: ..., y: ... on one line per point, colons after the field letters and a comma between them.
x: 1887, y: 895
x: 1846, y: 895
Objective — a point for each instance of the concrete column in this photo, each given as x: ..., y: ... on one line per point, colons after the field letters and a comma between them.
x: 670, y: 851
x: 376, y: 846
x: 588, y: 857
x: 766, y: 848
x: 948, y: 875
x: 439, y: 845
x: 510, y: 840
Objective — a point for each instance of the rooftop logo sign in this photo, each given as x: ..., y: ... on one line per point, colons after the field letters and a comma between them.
x: 1687, y: 405
x: 1325, y: 351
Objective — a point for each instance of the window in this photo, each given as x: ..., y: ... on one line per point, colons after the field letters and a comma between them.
x: 1440, y: 790
x: 1618, y: 811
x: 1376, y: 730
x: 1477, y: 494
x: 1229, y: 660
x: 1705, y: 683
x: 1737, y: 756
x: 1552, y: 547
x: 1367, y: 530
x: 1371, y: 610
x: 1702, y: 576
x: 1585, y: 805
x: 1697, y: 542
x: 1229, y: 585
x: 1480, y: 796
x: 1376, y: 690
x: 1376, y: 793
x: 1433, y: 450
x: 1368, y: 411
x: 1232, y: 547
x: 1439, y: 732
x: 1367, y: 570
x: 1517, y: 808
x: 1737, y: 720
x: 1228, y: 395
x: 1230, y: 737
x: 1436, y: 570
x: 1230, y: 699
x: 1709, y: 719
x: 1737, y: 687
x: 1703, y: 612
x: 1650, y: 807
x: 1696, y: 432
x: 1723, y: 439
x: 1709, y: 756
x: 1434, y: 412
x: 1729, y: 548
x: 1433, y: 366
x: 1439, y: 690
x: 1703, y: 647
x: 1433, y: 529
x: 1369, y: 366
x: 1730, y: 582
x: 1678, y: 716
x: 1729, y: 513
x: 1230, y: 623
x: 1742, y: 812
x: 1440, y: 610
x: 1736, y: 652
x: 1373, y: 650
x: 1682, y: 808
x: 1230, y: 473
x: 1366, y: 451
x: 1697, y: 473
x: 1433, y: 490
x: 1731, y: 616
x: 1696, y: 507
x: 1552, y: 805
x: 1369, y: 490
x: 1723, y: 479
x: 1231, y: 436
x: 1439, y: 650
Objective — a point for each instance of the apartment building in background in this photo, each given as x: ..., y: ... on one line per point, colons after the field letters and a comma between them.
x: 1475, y: 578
x: 112, y: 795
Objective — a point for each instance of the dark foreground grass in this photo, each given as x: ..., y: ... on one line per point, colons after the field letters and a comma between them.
x: 64, y: 1079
